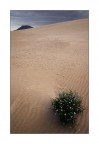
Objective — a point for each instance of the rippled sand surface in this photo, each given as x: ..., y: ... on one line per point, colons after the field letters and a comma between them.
x: 44, y: 61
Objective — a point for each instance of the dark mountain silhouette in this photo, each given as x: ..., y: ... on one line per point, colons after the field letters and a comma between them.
x: 24, y: 27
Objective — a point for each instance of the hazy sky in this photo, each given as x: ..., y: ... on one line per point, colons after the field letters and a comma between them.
x: 43, y: 17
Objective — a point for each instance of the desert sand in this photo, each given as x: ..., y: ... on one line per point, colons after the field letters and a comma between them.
x: 44, y: 61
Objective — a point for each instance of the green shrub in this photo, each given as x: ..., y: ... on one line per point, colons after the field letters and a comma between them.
x: 67, y: 106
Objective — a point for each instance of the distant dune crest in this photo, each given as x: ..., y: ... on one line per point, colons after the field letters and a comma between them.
x: 24, y: 27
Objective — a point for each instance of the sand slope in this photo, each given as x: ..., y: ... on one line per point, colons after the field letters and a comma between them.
x: 44, y: 61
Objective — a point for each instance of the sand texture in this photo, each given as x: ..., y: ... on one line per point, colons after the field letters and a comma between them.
x: 44, y: 61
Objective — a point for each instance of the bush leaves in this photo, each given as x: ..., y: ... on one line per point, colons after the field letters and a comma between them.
x: 67, y: 105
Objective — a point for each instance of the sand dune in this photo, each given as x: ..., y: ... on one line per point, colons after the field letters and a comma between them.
x: 44, y: 61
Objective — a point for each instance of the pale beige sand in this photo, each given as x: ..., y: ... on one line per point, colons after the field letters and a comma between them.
x: 44, y: 61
